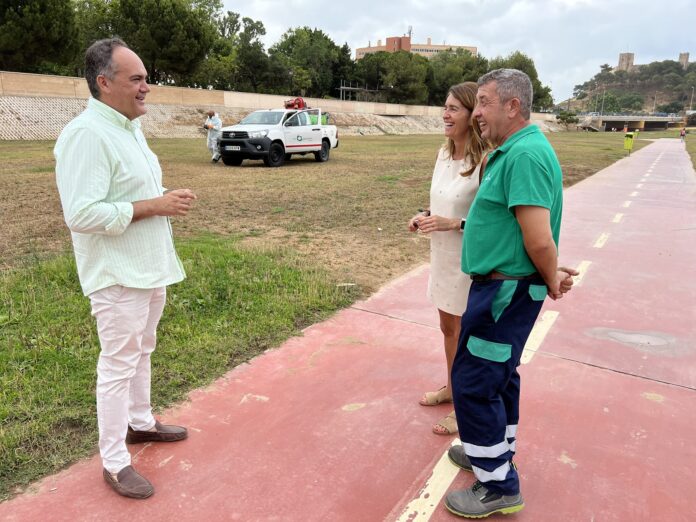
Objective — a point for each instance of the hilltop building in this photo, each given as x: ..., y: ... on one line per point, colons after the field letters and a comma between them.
x: 626, y: 62
x: 403, y: 43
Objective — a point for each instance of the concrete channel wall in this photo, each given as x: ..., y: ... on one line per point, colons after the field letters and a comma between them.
x: 35, y: 106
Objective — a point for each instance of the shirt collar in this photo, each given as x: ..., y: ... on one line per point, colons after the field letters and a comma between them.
x: 524, y: 131
x: 112, y: 115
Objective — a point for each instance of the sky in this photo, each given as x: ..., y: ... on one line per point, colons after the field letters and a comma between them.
x: 567, y: 39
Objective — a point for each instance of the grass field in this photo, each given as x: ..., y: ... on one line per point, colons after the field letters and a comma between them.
x: 267, y: 251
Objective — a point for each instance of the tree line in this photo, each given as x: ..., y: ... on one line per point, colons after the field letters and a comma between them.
x: 194, y: 43
x: 638, y: 90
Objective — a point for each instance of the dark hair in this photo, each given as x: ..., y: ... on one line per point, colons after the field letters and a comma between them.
x: 511, y: 83
x: 98, y: 62
x: 476, y: 146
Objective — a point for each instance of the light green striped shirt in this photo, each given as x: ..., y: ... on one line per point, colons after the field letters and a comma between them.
x: 103, y: 164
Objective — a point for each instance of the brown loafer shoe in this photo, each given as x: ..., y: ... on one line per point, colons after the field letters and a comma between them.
x: 162, y: 433
x: 129, y: 483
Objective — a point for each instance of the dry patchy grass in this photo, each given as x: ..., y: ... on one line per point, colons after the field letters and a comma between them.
x: 347, y: 215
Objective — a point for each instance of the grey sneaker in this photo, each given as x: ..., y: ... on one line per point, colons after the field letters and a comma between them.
x: 458, y: 457
x: 478, y: 502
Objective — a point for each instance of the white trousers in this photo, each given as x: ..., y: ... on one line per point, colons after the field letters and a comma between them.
x: 213, y: 147
x: 127, y: 321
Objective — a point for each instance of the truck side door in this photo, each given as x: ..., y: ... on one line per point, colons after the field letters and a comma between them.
x: 299, y: 134
x: 315, y: 128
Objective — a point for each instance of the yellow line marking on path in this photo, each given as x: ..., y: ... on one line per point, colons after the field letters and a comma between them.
x: 617, y: 218
x: 633, y: 194
x: 582, y: 268
x: 627, y: 204
x: 421, y: 508
x: 601, y: 240
x: 541, y: 328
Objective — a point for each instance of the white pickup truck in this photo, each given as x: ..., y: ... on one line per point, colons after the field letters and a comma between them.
x: 274, y: 135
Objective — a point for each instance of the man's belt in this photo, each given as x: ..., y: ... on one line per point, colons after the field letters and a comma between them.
x: 490, y: 276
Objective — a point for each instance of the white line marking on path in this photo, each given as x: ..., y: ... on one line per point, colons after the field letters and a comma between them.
x: 626, y: 204
x: 541, y: 328
x: 644, y: 179
x: 601, y: 240
x: 617, y: 218
x: 639, y: 186
x: 633, y: 194
x: 582, y: 268
x: 421, y: 508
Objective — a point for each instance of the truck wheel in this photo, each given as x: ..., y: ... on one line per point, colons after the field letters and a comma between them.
x: 276, y: 155
x: 323, y: 154
x: 287, y: 157
x: 232, y: 161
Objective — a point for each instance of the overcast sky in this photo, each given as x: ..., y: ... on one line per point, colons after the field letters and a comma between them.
x: 567, y: 39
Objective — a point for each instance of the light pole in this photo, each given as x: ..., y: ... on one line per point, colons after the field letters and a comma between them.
x: 601, y: 112
x: 691, y: 103
x: 654, y: 102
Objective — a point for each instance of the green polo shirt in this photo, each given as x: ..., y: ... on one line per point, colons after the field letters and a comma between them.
x: 522, y: 171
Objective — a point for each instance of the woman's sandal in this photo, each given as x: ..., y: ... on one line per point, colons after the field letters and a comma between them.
x: 434, y: 398
x: 447, y: 425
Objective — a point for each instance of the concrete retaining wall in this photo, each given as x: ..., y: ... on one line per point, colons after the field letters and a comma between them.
x: 22, y: 84
x: 34, y: 106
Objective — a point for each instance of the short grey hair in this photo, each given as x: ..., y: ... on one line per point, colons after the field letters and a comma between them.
x: 98, y: 61
x: 511, y: 83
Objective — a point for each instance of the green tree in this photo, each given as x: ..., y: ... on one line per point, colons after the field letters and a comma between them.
x: 452, y: 67
x: 251, y: 59
x: 313, y: 51
x: 37, y: 35
x: 629, y: 101
x: 343, y: 68
x: 542, y: 94
x: 301, y: 80
x: 404, y: 78
x: 370, y: 69
x: 567, y: 118
x: 219, y: 68
x: 172, y: 37
x: 610, y: 103
x: 671, y: 107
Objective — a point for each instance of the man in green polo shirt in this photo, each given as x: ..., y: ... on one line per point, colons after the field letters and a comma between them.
x: 510, y: 249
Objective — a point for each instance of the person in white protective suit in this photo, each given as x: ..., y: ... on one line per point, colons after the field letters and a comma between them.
x: 214, y: 127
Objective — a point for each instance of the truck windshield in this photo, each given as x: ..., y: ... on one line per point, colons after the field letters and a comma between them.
x: 263, y: 118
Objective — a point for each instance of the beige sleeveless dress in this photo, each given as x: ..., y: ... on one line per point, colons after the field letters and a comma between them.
x: 451, y: 196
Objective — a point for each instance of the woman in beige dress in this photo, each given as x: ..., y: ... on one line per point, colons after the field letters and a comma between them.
x: 454, y: 185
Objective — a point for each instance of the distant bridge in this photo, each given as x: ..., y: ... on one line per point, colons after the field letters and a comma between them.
x: 607, y: 122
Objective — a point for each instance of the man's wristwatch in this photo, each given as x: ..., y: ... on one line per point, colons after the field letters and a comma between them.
x: 461, y: 225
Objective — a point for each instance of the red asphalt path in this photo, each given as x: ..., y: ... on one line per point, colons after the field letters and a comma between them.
x: 328, y: 428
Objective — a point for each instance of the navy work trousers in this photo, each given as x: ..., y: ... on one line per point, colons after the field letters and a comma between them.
x: 499, y: 317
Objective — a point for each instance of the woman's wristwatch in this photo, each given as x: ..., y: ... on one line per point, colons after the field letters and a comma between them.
x: 461, y: 225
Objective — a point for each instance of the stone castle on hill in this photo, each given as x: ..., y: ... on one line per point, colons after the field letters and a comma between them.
x: 626, y: 62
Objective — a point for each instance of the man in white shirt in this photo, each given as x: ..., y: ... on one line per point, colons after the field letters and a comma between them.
x: 214, y: 126
x: 110, y: 186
